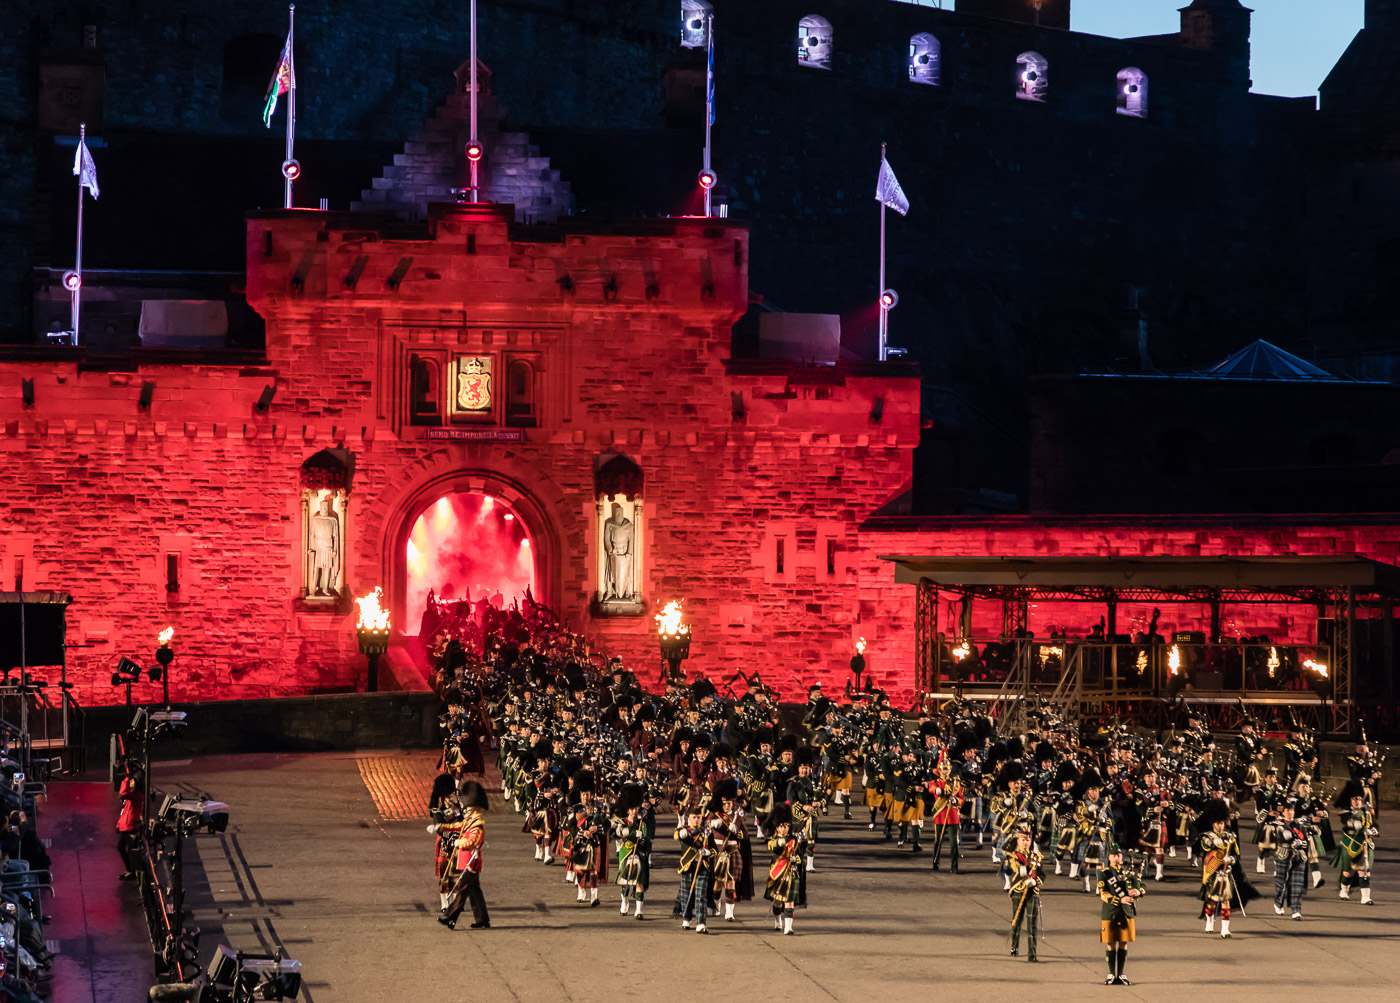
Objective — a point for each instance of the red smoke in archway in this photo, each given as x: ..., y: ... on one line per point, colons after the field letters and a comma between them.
x: 467, y: 546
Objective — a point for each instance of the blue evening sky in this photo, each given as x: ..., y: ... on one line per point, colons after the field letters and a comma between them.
x: 1294, y: 42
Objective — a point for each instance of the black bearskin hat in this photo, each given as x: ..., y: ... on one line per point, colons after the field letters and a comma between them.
x: 722, y: 750
x: 727, y: 789
x: 805, y: 757
x: 1353, y: 789
x: 1015, y: 749
x: 781, y: 814
x: 1066, y: 772
x: 583, y: 781
x: 788, y: 743
x: 1044, y: 752
x: 647, y: 713
x: 1011, y: 771
x: 929, y: 728
x: 472, y: 795
x: 1215, y: 810
x: 630, y: 797
x: 1090, y: 779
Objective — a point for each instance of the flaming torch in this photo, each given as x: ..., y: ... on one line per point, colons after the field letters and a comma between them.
x: 961, y: 651
x: 372, y: 629
x: 1272, y: 663
x: 1317, y: 667
x: 1174, y: 661
x: 674, y: 637
x: 1320, y: 684
x: 164, y: 656
x: 858, y: 661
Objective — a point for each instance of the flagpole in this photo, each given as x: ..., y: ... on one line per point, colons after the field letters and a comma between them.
x: 291, y: 104
x: 709, y: 96
x: 78, y: 265
x: 475, y: 161
x: 880, y: 292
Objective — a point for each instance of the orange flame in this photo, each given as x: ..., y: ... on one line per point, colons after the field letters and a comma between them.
x: 1273, y: 661
x: 373, y: 615
x: 1317, y: 667
x: 1174, y: 661
x: 961, y: 651
x: 668, y: 621
x: 860, y: 646
x: 165, y: 635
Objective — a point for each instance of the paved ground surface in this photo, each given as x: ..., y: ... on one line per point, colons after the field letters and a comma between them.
x: 313, y: 862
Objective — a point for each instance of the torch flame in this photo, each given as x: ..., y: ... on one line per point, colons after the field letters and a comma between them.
x: 1317, y: 667
x: 373, y: 615
x: 860, y: 646
x: 961, y: 651
x: 1273, y: 661
x: 1174, y: 661
x: 668, y: 621
x: 165, y: 635
x: 1142, y: 661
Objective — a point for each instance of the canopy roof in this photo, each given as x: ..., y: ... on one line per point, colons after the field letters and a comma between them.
x: 1187, y: 578
x: 1262, y: 360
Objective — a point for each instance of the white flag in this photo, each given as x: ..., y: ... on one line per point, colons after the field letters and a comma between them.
x: 84, y: 169
x: 887, y: 190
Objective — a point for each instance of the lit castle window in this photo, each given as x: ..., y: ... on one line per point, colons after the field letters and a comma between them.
x: 693, y: 16
x: 924, y: 59
x: 1032, y: 76
x: 1132, y: 92
x: 814, y: 42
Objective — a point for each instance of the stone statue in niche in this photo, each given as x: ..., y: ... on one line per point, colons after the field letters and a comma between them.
x: 323, y: 546
x: 621, y: 557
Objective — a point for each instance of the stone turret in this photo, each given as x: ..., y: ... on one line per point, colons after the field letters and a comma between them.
x: 1222, y: 28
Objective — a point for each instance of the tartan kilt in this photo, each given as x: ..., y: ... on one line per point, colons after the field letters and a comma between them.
x: 442, y: 853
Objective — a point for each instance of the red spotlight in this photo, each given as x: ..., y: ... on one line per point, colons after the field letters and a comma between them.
x: 708, y: 179
x: 474, y: 150
x: 889, y: 299
x: 291, y: 170
x: 71, y: 281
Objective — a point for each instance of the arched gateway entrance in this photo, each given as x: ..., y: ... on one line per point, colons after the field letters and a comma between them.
x: 468, y: 536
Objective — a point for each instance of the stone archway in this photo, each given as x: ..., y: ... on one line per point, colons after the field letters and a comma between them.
x: 536, y: 517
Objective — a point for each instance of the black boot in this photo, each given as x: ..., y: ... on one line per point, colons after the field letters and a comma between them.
x: 889, y: 829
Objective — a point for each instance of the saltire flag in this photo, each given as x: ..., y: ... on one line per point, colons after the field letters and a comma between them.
x: 710, y: 75
x: 887, y: 190
x: 283, y: 80
x: 84, y: 169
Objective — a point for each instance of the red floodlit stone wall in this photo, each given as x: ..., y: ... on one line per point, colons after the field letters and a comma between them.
x: 629, y: 329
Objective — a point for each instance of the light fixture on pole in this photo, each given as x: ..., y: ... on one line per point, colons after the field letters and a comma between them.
x: 889, y: 299
x: 164, y: 656
x: 372, y: 630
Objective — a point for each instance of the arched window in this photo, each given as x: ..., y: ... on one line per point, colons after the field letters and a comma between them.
x: 814, y: 42
x: 424, y: 391
x: 1032, y: 76
x: 520, y: 393
x: 1132, y: 92
x: 694, y: 15
x: 925, y: 64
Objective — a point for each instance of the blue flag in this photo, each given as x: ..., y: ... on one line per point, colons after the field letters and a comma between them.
x: 710, y: 69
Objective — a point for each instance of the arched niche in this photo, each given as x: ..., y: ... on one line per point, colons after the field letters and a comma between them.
x: 325, y: 480
x: 814, y: 42
x: 1132, y: 92
x: 694, y: 23
x: 1032, y: 76
x: 617, y: 482
x: 925, y: 60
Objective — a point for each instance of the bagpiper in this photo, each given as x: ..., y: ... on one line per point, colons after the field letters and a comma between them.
x: 633, y: 848
x: 1024, y: 864
x: 697, y: 853
x: 1222, y: 879
x: 1356, y: 849
x: 1119, y: 890
x: 1291, y: 838
x: 787, y: 878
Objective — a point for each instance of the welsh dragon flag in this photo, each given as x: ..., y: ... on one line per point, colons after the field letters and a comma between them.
x: 283, y: 80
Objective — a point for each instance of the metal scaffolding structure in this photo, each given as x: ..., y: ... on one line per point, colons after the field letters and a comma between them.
x: 1108, y: 674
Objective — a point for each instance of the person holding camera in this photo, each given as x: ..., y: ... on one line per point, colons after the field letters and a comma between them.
x: 129, y: 822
